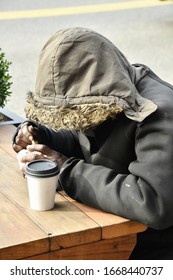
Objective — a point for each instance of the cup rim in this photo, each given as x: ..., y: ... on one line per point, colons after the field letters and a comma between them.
x: 42, y: 168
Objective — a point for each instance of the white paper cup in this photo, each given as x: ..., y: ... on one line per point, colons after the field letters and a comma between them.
x: 42, y: 179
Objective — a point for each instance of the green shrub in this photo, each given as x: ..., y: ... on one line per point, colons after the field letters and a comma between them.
x: 5, y: 83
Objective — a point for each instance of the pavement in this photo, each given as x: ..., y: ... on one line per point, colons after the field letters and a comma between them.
x: 141, y: 29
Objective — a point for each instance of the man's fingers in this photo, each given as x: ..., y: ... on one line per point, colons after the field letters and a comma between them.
x: 33, y: 131
x: 31, y: 156
x: 27, y: 135
x: 39, y: 148
x: 22, y: 138
x: 17, y: 148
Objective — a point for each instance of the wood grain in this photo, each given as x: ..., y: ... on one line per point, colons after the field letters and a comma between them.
x: 19, y: 235
x: 118, y: 248
x: 66, y: 224
x: 6, y: 134
x: 70, y: 230
x: 112, y: 225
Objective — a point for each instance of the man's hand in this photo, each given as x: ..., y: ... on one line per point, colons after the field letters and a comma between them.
x: 39, y: 151
x: 26, y: 135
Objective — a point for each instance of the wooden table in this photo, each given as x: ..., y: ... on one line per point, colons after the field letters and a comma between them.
x: 69, y: 231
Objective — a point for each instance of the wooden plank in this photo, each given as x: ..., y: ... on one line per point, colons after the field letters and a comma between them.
x: 112, y: 225
x: 118, y: 248
x: 19, y: 236
x: 66, y: 224
x: 6, y: 134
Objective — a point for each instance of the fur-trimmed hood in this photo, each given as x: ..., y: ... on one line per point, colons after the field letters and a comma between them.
x: 82, y: 80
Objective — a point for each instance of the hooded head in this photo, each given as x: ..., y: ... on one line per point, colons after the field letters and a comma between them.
x: 83, y: 80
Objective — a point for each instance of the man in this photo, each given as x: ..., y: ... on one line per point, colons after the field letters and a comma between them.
x: 109, y: 126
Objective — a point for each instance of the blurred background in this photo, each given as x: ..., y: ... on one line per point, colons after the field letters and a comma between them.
x: 141, y: 29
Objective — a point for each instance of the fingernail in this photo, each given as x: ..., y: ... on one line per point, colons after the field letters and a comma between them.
x: 30, y: 138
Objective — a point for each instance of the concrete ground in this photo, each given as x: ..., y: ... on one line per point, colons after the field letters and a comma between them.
x: 142, y: 29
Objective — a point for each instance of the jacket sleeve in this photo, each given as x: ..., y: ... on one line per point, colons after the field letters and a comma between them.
x: 146, y: 193
x: 63, y: 141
